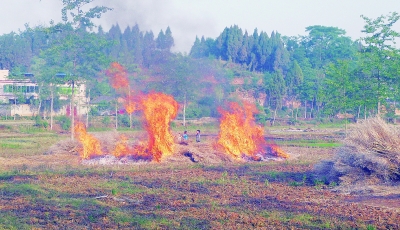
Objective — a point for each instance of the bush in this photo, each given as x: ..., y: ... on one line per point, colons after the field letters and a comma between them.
x: 123, y: 120
x: 193, y: 111
x: 39, y: 122
x: 64, y: 121
x: 293, y: 121
x: 106, y: 120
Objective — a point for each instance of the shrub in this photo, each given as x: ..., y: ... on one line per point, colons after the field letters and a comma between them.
x: 39, y: 122
x: 123, y: 120
x: 106, y: 120
x: 293, y: 121
x: 64, y: 121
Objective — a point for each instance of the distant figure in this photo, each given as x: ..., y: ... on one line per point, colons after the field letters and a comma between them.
x: 198, y: 135
x: 185, y: 136
x: 179, y: 137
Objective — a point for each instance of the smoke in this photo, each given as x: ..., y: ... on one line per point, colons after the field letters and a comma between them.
x: 185, y: 21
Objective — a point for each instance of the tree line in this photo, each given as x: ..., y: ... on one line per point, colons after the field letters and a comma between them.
x: 320, y: 74
x: 327, y: 71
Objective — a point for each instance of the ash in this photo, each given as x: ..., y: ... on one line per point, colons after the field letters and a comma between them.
x: 262, y: 157
x: 112, y: 160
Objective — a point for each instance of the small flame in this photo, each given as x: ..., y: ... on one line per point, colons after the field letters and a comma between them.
x: 129, y: 104
x: 159, y: 110
x: 276, y: 150
x: 90, y: 144
x: 122, y: 149
x: 118, y: 76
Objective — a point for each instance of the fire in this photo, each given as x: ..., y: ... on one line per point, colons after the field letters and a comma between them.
x: 159, y: 110
x: 275, y: 150
x: 122, y: 148
x: 239, y: 135
x: 129, y: 104
x: 118, y: 76
x: 90, y: 144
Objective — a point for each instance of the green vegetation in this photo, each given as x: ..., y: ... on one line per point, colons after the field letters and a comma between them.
x: 27, y: 144
x: 318, y: 76
x: 306, y: 82
x: 309, y: 143
x: 305, y: 220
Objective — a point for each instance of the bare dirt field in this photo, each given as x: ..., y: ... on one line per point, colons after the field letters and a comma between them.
x: 45, y: 185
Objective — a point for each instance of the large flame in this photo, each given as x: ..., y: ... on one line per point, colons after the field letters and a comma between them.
x: 118, y: 76
x: 240, y: 135
x: 238, y: 132
x: 159, y: 110
x: 90, y: 144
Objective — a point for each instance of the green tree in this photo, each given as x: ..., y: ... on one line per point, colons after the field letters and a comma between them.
x: 340, y: 86
x: 379, y: 57
x: 327, y: 44
x: 79, y: 53
x: 182, y: 81
x: 293, y: 79
x: 275, y: 89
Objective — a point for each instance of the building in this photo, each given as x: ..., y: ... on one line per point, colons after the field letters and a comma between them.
x: 12, y: 89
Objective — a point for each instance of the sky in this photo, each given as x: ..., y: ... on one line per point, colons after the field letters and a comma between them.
x: 190, y: 18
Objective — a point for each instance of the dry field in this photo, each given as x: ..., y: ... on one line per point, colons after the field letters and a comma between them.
x: 45, y: 185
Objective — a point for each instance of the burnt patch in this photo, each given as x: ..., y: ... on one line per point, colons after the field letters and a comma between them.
x: 190, y: 156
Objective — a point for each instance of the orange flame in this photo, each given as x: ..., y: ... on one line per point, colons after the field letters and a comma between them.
x: 275, y: 150
x: 159, y: 110
x: 118, y: 76
x: 90, y: 144
x: 122, y: 148
x: 238, y: 132
x: 239, y: 135
x: 129, y: 104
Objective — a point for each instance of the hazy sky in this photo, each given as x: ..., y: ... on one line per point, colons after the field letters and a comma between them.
x: 188, y: 18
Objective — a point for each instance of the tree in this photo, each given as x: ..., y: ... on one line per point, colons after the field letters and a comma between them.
x: 326, y: 44
x: 182, y: 79
x: 339, y: 86
x: 80, y: 52
x: 47, y: 81
x: 379, y: 57
x: 293, y: 80
x: 275, y: 89
x: 149, y: 46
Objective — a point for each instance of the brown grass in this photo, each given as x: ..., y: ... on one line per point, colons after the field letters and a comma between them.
x: 370, y: 156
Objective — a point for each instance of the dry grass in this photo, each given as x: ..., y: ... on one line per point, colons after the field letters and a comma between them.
x: 370, y: 157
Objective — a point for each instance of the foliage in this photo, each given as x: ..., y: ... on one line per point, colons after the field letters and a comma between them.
x: 64, y: 121
x: 39, y: 122
x: 324, y: 72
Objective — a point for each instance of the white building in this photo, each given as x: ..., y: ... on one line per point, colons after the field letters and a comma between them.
x: 11, y: 90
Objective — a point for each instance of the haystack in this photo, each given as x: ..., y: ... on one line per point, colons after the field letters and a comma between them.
x: 370, y: 155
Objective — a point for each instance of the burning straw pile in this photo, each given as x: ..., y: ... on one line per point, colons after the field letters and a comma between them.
x: 370, y: 155
x: 240, y: 137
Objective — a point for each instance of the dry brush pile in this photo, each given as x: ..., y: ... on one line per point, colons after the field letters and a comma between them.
x: 370, y: 155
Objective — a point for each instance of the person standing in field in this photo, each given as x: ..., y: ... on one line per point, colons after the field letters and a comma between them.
x: 179, y: 137
x: 198, y: 135
x: 185, y: 136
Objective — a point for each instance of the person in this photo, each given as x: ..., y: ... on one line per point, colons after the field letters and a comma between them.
x: 198, y: 135
x: 179, y: 137
x: 185, y: 136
